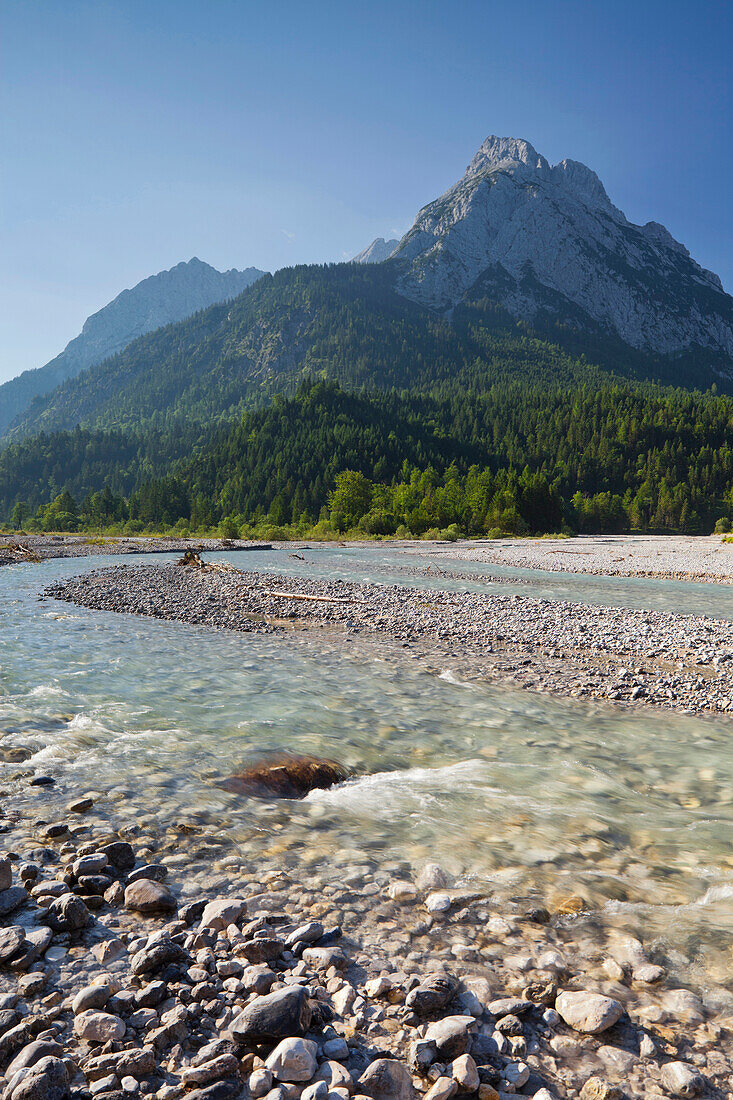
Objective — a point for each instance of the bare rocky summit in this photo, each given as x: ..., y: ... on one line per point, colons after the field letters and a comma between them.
x: 377, y: 252
x: 546, y: 242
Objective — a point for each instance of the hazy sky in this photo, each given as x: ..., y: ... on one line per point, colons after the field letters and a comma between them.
x: 138, y: 134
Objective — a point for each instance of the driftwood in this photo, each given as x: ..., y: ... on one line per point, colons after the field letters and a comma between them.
x: 318, y: 599
x: 286, y: 777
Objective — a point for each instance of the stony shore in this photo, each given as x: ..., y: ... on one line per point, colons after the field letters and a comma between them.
x: 679, y: 662
x: 15, y: 549
x: 124, y: 973
x: 667, y: 557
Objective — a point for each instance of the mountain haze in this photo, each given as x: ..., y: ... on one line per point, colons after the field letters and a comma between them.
x: 158, y: 300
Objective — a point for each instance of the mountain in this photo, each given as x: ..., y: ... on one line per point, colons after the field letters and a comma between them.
x: 521, y: 269
x: 377, y: 252
x: 159, y: 300
x: 546, y: 242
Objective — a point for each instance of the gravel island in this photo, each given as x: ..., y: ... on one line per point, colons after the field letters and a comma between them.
x: 682, y: 662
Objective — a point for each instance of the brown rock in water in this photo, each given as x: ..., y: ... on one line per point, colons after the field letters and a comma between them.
x: 286, y: 777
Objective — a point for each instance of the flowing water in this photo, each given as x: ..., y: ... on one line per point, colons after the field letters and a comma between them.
x: 523, y: 796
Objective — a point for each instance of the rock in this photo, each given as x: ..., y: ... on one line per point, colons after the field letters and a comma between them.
x: 109, y: 950
x: 293, y: 1059
x: 152, y: 959
x: 29, y: 1055
x: 99, y: 1027
x: 432, y: 877
x: 681, y: 1079
x: 286, y: 777
x: 218, y: 1090
x: 92, y: 996
x: 516, y: 1074
x: 338, y: 1049
x: 257, y: 979
x: 335, y: 1076
x: 12, y: 899
x: 648, y: 973
x: 464, y: 1072
x: 133, y: 1063
x: 387, y: 1079
x: 120, y: 854
x: 11, y: 940
x: 280, y: 1015
x: 80, y: 806
x: 321, y: 958
x: 450, y: 1036
x: 226, y: 1065
x: 90, y: 865
x: 438, y: 903
x: 432, y: 994
x: 147, y: 896
x: 156, y: 872
x: 317, y: 1091
x: 509, y: 1006
x: 595, y: 1088
x: 219, y: 914
x: 68, y: 914
x: 588, y: 1012
x: 259, y: 1084
x: 47, y: 1079
x: 57, y: 829
x: 442, y: 1089
x: 683, y: 1005
x: 6, y: 875
x: 30, y: 985
x: 305, y: 933
x: 260, y: 950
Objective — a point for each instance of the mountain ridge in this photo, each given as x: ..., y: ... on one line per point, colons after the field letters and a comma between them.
x: 166, y: 297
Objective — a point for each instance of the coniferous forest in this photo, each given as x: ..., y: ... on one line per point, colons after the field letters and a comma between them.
x: 519, y: 457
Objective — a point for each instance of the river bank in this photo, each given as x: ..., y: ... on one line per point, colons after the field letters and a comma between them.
x: 679, y: 662
x: 667, y: 557
x: 137, y: 964
x: 17, y: 549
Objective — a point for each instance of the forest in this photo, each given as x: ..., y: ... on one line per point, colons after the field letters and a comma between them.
x: 516, y: 457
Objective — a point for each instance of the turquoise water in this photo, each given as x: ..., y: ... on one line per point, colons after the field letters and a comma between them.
x: 526, y: 796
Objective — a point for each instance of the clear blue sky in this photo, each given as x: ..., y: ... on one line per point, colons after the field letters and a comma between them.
x: 137, y: 133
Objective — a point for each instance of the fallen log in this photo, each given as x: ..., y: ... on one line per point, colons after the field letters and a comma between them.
x: 318, y: 599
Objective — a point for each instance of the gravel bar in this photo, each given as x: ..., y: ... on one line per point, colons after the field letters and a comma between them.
x: 680, y: 662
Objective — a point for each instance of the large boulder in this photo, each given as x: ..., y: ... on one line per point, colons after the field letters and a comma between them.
x: 286, y: 777
x: 99, y: 1027
x: 278, y: 1015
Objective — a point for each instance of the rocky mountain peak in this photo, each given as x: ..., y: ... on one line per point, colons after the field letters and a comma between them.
x: 506, y: 152
x: 547, y: 242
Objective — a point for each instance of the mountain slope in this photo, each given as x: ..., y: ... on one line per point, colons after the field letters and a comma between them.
x: 159, y: 300
x: 546, y: 241
x: 344, y: 322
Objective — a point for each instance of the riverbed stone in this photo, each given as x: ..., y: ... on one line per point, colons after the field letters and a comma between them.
x: 68, y: 913
x: 450, y: 1036
x: 6, y: 874
x: 147, y: 896
x: 92, y: 996
x: 588, y: 1012
x: 432, y: 994
x: 11, y: 899
x: 226, y: 1065
x: 11, y: 939
x: 222, y: 912
x: 387, y: 1079
x: 681, y: 1079
x: 99, y: 1027
x: 293, y: 1060
x: 47, y: 1079
x: 464, y: 1072
x: 120, y: 854
x: 280, y: 1015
